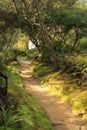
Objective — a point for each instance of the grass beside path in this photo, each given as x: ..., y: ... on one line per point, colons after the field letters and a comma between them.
x: 24, y: 112
x: 63, y: 85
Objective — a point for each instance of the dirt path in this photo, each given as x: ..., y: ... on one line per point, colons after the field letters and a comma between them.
x: 59, y: 113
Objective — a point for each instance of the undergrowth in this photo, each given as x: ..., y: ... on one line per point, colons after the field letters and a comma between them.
x: 23, y: 111
x: 78, y: 67
x: 40, y: 69
x: 66, y: 83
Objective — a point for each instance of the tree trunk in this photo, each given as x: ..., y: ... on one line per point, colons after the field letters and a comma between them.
x: 35, y: 42
x: 76, y: 40
x: 48, y: 40
x: 49, y: 43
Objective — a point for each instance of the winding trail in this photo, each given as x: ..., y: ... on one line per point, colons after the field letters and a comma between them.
x: 58, y: 112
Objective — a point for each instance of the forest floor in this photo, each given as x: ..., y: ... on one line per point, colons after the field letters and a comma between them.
x: 59, y: 113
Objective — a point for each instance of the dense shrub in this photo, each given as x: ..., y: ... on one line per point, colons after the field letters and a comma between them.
x: 77, y: 66
x: 40, y: 70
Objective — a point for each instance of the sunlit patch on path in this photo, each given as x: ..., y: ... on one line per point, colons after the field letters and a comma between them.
x: 59, y: 113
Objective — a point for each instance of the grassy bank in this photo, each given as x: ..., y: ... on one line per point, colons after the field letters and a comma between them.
x: 23, y: 111
x: 69, y: 87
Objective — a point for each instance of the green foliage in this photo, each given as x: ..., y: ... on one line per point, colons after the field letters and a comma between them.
x: 22, y: 21
x: 6, y: 128
x: 8, y: 117
x: 83, y: 45
x: 2, y: 65
x: 46, y: 56
x: 18, y: 53
x: 40, y: 69
x: 60, y: 49
x: 9, y: 56
x: 32, y: 53
x: 73, y: 18
x: 2, y: 82
x: 78, y: 66
x: 60, y: 21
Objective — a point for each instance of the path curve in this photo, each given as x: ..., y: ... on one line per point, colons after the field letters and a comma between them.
x: 58, y: 112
